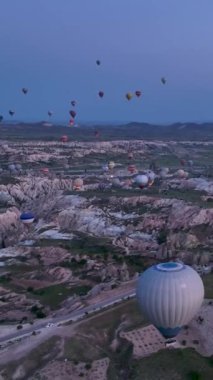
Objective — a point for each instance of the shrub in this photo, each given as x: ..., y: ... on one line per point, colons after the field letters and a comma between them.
x: 30, y: 289
x: 40, y: 314
x: 162, y: 237
x: 193, y: 375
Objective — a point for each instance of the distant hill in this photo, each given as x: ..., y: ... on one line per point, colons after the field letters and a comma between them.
x: 130, y: 131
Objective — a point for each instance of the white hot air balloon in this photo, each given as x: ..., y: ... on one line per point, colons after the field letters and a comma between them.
x: 170, y: 294
x: 111, y: 165
x: 182, y: 174
x: 78, y: 184
x: 164, y: 172
x: 151, y: 177
x: 142, y: 180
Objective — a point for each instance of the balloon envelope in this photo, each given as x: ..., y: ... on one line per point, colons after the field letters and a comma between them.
x: 27, y: 217
x: 73, y: 114
x: 129, y: 96
x: 142, y: 180
x: 138, y: 93
x: 170, y: 294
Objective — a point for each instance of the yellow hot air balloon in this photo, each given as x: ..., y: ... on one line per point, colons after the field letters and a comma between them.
x: 129, y: 96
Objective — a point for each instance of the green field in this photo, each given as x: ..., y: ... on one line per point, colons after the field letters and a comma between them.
x: 172, y: 365
x: 208, y: 285
x: 37, y: 358
x: 55, y: 294
x: 93, y: 337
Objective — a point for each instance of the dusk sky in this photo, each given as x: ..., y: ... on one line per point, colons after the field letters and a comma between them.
x: 51, y: 47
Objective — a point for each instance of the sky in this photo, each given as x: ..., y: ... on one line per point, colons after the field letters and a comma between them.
x: 51, y: 47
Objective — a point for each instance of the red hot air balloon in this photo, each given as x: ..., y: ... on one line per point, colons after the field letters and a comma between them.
x: 64, y: 138
x: 72, y: 122
x: 45, y: 170
x: 132, y: 169
x: 101, y: 94
x: 73, y: 114
x: 73, y: 103
x: 138, y: 93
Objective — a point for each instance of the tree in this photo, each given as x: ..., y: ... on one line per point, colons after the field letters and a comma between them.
x: 30, y: 289
x: 194, y: 375
x: 40, y: 314
x: 34, y: 309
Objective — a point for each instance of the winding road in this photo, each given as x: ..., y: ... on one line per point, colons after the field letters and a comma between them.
x: 74, y: 317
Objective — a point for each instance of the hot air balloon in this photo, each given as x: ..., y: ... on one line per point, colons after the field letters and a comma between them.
x: 45, y: 171
x: 151, y: 177
x: 73, y: 103
x: 111, y: 165
x: 18, y: 166
x: 71, y: 122
x: 164, y: 172
x: 170, y: 294
x: 163, y: 80
x: 129, y: 96
x: 12, y: 167
x: 132, y: 169
x: 64, y: 138
x: 142, y: 181
x: 127, y: 183
x: 182, y: 174
x: 105, y: 168
x: 73, y: 114
x: 98, y: 62
x: 49, y: 113
x: 27, y: 217
x: 25, y: 90
x: 1, y: 118
x: 138, y: 93
x: 116, y: 182
x: 101, y: 94
x: 78, y: 184
x: 182, y: 162
x: 11, y: 112
x: 130, y: 156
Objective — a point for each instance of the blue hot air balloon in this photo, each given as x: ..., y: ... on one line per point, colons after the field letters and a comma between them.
x: 170, y: 294
x: 27, y: 217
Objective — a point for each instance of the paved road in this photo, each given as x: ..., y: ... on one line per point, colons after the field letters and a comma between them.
x: 74, y: 316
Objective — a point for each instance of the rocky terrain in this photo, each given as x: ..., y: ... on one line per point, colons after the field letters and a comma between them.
x: 91, y: 238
